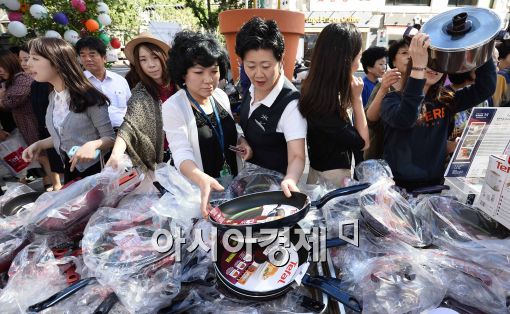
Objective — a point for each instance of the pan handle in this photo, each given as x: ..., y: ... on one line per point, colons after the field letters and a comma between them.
x: 339, y: 192
x: 330, y: 286
x: 60, y: 296
x: 430, y: 190
x: 334, y: 242
x: 161, y: 188
x: 107, y: 304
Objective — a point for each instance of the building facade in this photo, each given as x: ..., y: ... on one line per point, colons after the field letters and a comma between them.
x: 381, y: 21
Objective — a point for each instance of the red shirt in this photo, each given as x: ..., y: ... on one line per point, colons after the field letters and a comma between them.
x: 164, y: 93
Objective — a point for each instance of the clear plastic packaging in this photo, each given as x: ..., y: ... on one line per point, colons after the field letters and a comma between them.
x: 451, y: 220
x: 470, y: 284
x: 33, y: 277
x: 386, y: 213
x: 68, y: 210
x: 398, y: 284
x: 13, y: 189
x: 182, y: 199
x: 10, y: 244
x: 371, y: 171
x: 119, y: 250
x: 118, y: 241
x: 84, y: 301
x: 253, y: 179
x: 210, y: 299
x: 151, y: 289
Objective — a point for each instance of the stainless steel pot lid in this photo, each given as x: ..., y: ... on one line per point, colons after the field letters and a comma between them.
x: 473, y: 27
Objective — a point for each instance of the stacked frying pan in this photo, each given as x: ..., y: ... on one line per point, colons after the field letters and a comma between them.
x: 252, y: 266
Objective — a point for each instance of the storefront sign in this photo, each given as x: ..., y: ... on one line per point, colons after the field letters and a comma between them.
x: 486, y: 133
x: 328, y: 20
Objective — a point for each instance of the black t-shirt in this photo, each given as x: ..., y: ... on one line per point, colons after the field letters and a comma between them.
x: 212, y: 159
x: 331, y: 141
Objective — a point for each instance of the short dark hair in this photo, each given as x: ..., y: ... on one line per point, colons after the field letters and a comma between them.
x: 503, y: 49
x: 91, y: 43
x: 260, y: 34
x: 393, y: 50
x: 460, y: 78
x: 371, y: 55
x: 191, y: 48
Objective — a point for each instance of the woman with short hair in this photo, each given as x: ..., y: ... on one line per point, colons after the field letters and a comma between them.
x: 198, y: 120
x: 274, y: 129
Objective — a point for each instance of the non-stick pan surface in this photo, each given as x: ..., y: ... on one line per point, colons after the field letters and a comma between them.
x: 260, y: 280
x: 12, y: 206
x: 235, y: 207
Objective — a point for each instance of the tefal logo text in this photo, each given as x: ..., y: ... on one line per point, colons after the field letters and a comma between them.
x: 287, y: 272
x: 502, y: 167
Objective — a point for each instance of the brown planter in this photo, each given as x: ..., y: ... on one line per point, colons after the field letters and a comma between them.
x: 291, y: 24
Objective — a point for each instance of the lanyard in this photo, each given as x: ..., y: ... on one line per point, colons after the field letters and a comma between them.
x: 217, y: 130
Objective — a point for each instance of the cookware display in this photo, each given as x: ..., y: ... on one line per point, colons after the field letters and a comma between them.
x: 14, y: 205
x: 448, y: 218
x: 386, y: 212
x: 269, y: 210
x: 69, y: 209
x: 253, y: 274
x: 461, y: 39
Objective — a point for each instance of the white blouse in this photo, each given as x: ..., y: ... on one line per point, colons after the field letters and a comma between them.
x: 61, y: 108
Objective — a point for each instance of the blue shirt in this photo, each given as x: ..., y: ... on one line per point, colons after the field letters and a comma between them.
x: 368, y: 87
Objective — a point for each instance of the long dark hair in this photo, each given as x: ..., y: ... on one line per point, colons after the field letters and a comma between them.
x: 436, y: 92
x: 10, y: 63
x: 150, y: 85
x: 327, y: 88
x: 62, y: 56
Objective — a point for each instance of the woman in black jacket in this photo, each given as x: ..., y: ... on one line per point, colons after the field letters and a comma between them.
x: 328, y: 94
x: 416, y: 119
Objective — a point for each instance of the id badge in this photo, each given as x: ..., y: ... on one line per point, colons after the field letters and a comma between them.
x: 225, y: 170
x: 225, y: 175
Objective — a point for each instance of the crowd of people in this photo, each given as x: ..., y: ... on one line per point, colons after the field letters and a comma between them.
x: 77, y: 116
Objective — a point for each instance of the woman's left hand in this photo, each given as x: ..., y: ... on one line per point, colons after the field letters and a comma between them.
x: 288, y: 186
x: 86, y: 153
x: 356, y: 88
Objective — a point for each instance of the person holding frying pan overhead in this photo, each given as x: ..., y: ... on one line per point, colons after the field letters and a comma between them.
x: 197, y: 119
x: 273, y: 127
x: 416, y: 120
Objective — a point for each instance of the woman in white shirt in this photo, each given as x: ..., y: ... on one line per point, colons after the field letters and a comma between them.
x: 77, y: 116
x: 272, y: 125
x: 197, y: 119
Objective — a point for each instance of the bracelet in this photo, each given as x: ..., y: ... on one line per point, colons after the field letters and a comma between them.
x: 418, y: 69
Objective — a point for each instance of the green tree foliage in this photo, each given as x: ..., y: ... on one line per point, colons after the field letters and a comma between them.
x: 207, y: 11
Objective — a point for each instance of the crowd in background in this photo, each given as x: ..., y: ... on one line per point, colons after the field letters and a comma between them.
x: 76, y: 116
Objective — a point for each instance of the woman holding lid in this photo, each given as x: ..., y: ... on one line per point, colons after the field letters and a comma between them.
x: 416, y: 119
x: 272, y: 124
x: 197, y: 119
x: 77, y: 115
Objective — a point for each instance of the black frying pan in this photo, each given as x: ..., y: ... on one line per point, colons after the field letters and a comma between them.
x: 12, y: 206
x: 236, y: 207
x: 260, y: 280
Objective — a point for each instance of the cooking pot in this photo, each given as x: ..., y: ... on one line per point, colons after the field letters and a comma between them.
x: 461, y: 39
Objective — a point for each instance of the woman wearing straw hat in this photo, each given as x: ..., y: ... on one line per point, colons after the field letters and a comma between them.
x: 141, y: 134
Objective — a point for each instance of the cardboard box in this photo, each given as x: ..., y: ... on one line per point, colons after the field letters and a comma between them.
x: 494, y: 199
x: 466, y: 190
